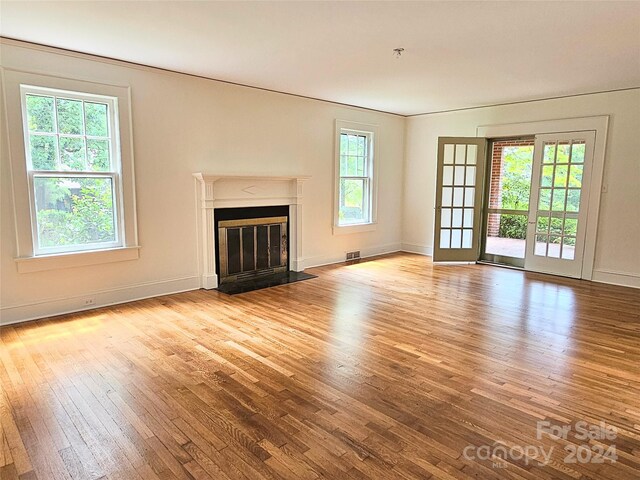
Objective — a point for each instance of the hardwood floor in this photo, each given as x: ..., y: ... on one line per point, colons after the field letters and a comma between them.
x: 392, y: 368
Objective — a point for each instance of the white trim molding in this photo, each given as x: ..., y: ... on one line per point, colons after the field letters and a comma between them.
x: 25, y: 255
x: 102, y: 298
x: 419, y: 249
x: 371, y: 133
x: 614, y: 277
x: 598, y: 124
x: 230, y: 191
x: 76, y: 259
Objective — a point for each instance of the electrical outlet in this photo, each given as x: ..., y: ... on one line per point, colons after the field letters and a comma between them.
x: 89, y: 301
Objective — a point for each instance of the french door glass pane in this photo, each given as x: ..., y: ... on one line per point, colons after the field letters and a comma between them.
x: 74, y: 211
x: 577, y: 152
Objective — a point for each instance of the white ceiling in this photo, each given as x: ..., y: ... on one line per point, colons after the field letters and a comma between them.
x: 457, y: 54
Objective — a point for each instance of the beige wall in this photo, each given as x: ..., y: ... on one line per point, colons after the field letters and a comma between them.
x: 182, y: 125
x: 618, y: 238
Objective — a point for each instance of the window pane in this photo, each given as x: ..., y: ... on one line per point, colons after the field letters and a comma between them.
x: 560, y: 177
x: 558, y: 199
x: 456, y: 238
x: 570, y: 226
x: 448, y: 153
x: 556, y: 226
x: 461, y: 152
x: 577, y: 152
x: 541, y: 245
x: 445, y: 238
x: 459, y: 176
x: 447, y: 176
x: 40, y: 117
x: 472, y: 153
x: 96, y: 119
x: 468, y: 218
x: 545, y: 199
x: 445, y: 217
x: 470, y: 176
x: 554, y: 247
x: 74, y: 211
x: 98, y: 158
x: 469, y: 196
x: 72, y: 153
x: 568, y: 248
x: 447, y: 193
x: 563, y: 152
x: 573, y: 201
x: 457, y: 217
x: 70, y: 116
x: 549, y: 153
x: 543, y: 225
x: 547, y: 176
x: 458, y: 194
x: 467, y: 238
x: 43, y: 152
x: 575, y: 176
x: 351, y: 201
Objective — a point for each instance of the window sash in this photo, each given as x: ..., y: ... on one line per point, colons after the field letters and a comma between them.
x: 366, y: 176
x: 117, y: 224
x: 114, y: 173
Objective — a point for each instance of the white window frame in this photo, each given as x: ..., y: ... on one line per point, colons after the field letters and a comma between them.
x: 29, y: 258
x: 114, y: 173
x: 371, y: 133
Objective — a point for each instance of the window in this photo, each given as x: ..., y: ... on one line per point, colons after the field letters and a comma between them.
x: 73, y: 169
x: 355, y: 175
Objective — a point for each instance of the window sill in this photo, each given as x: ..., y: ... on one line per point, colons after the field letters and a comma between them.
x: 75, y: 259
x: 355, y: 228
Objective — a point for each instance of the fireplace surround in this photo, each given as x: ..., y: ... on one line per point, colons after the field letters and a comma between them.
x: 251, y: 242
x: 215, y: 192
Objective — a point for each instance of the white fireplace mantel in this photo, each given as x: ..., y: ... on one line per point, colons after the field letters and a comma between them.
x: 231, y: 191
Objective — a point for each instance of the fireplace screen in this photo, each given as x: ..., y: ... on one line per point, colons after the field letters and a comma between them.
x: 251, y: 247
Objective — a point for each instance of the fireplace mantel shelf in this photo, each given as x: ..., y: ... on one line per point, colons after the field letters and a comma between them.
x: 210, y: 177
x: 236, y: 190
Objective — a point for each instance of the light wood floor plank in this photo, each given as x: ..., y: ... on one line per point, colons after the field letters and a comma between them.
x: 385, y: 369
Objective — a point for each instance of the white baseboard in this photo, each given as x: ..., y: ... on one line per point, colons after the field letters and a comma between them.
x: 415, y: 248
x: 625, y: 279
x: 319, y: 261
x: 128, y: 293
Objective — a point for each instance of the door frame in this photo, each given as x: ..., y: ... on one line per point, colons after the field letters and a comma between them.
x: 600, y: 125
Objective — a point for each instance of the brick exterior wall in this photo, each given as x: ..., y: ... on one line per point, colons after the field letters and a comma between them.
x: 495, y: 186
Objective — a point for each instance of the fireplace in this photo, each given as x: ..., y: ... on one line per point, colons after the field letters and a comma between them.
x: 219, y: 195
x: 251, y: 242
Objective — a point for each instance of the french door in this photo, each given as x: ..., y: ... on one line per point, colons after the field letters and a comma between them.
x: 558, y: 208
x: 460, y: 176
